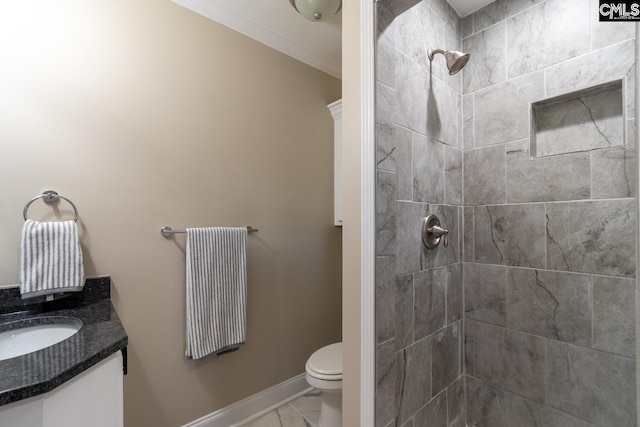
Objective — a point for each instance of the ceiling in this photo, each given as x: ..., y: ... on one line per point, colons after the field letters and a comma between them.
x: 276, y: 24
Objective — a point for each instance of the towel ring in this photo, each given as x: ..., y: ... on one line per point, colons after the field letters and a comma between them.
x: 49, y: 197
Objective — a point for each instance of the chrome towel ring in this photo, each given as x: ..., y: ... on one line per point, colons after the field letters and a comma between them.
x: 49, y: 197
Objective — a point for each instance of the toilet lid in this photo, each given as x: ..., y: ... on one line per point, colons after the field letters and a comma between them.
x: 327, y: 360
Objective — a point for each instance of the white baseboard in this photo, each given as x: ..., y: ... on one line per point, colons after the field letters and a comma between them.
x: 247, y: 410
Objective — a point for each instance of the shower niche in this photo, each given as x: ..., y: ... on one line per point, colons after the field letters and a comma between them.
x: 587, y: 119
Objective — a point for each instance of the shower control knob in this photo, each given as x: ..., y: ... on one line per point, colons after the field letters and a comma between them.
x: 432, y: 232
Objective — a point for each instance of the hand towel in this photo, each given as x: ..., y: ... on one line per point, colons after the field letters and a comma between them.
x: 216, y: 288
x: 50, y: 259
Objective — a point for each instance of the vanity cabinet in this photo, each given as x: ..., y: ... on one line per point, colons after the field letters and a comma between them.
x: 336, y: 113
x: 93, y: 398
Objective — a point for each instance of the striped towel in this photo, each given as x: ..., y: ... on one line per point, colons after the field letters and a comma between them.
x: 216, y: 290
x: 50, y: 259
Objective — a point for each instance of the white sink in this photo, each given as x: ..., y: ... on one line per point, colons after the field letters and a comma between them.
x: 29, y: 338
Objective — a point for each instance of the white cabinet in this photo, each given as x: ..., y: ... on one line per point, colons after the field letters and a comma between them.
x: 336, y: 113
x: 93, y: 398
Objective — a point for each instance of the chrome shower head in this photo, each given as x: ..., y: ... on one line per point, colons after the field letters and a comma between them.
x: 455, y: 60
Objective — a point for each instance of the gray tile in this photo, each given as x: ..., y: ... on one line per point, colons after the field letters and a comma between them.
x: 484, y: 175
x: 386, y: 213
x: 387, y: 383
x: 456, y: 407
x: 385, y: 128
x: 613, y: 173
x: 468, y: 234
x: 283, y: 416
x: 409, y: 241
x: 433, y: 414
x: 499, y: 10
x: 488, y: 58
x: 510, y: 235
x: 546, y: 178
x: 428, y: 33
x: 428, y: 170
x: 631, y: 134
x: 454, y: 293
x: 582, y: 121
x: 508, y: 359
x: 466, y: 26
x: 550, y: 304
x: 446, y: 13
x: 502, y: 111
x: 485, y: 293
x: 444, y: 255
x: 452, y: 176
x: 592, y: 385
x: 546, y: 34
x: 468, y: 138
x: 592, y: 237
x: 614, y: 315
x: 486, y: 405
x: 385, y: 46
x: 445, y: 356
x: 385, y: 299
x: 443, y: 111
x: 603, y: 35
x: 415, y: 387
x: 595, y: 68
x: 309, y: 407
x: 398, y: 7
x: 404, y: 163
x: 412, y: 109
x: 430, y: 301
x: 403, y: 301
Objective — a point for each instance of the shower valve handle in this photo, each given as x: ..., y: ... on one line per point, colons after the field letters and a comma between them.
x: 437, y: 231
x: 433, y: 232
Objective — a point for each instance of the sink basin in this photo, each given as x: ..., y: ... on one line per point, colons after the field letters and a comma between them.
x: 26, y: 336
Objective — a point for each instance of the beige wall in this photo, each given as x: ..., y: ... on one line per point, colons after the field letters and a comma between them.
x: 351, y: 275
x: 146, y: 114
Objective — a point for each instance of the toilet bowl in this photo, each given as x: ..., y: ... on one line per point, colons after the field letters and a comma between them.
x: 324, y: 372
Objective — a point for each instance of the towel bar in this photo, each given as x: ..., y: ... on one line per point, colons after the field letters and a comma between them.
x: 167, y: 231
x: 49, y: 197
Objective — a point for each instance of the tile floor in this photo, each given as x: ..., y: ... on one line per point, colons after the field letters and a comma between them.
x: 301, y: 412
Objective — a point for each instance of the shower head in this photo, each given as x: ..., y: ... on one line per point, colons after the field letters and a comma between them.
x: 455, y: 60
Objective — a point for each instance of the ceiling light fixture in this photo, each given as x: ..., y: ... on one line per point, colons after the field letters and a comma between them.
x: 316, y: 10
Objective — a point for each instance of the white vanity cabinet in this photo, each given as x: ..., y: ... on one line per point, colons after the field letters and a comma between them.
x: 92, y: 398
x: 336, y: 113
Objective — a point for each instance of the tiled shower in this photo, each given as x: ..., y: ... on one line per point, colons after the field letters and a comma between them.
x: 527, y: 318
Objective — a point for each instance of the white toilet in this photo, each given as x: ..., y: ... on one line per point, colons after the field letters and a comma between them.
x: 324, y: 372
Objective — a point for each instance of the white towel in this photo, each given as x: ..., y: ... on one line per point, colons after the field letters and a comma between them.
x: 216, y: 290
x: 50, y: 259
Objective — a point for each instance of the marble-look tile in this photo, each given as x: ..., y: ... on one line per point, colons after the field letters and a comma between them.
x: 550, y: 304
x: 403, y: 23
x: 613, y: 173
x: 499, y: 10
x: 309, y: 406
x: 404, y: 323
x: 284, y: 416
x: 385, y: 128
x: 428, y: 170
x: 445, y: 357
x: 443, y: 111
x: 456, y: 405
x: 398, y: 7
x: 455, y: 291
x: 592, y: 237
x: 385, y: 295
x: 603, y: 35
x: 468, y: 138
x: 428, y: 33
x: 409, y: 240
x: 444, y: 255
x: 584, y: 121
x: 488, y: 58
x: 485, y: 293
x: 404, y: 163
x: 484, y: 175
x: 510, y: 235
x: 386, y: 213
x: 411, y: 79
x: 546, y: 34
x: 595, y: 386
x: 452, y: 176
x: 430, y: 301
x: 468, y: 242
x: 415, y: 387
x: 614, y: 315
x: 433, y: 414
x: 595, y: 68
x: 491, y: 407
x: 466, y: 26
x: 446, y: 13
x: 631, y: 134
x: 508, y: 359
x: 502, y: 111
x: 385, y: 46
x: 387, y: 383
x: 542, y: 179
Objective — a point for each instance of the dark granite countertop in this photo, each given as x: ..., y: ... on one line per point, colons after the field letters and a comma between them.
x: 39, y: 372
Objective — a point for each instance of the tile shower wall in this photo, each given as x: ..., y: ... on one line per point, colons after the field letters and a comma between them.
x: 549, y: 239
x: 528, y: 317
x: 419, y: 294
